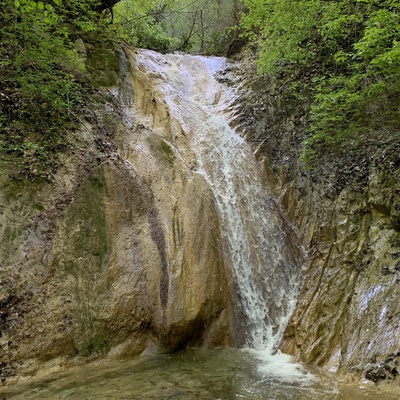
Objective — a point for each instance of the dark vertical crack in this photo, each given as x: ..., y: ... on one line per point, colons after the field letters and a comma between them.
x: 158, y: 237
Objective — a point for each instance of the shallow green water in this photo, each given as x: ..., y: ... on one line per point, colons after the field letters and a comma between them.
x: 222, y: 374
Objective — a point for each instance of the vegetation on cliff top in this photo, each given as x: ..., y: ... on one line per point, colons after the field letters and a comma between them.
x: 44, y: 85
x: 345, y: 53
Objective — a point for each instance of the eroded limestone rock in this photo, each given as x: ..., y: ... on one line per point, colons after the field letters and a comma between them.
x: 120, y: 256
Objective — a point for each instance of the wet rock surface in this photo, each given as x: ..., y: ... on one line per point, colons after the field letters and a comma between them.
x: 386, y: 369
x: 346, y: 211
x: 119, y: 255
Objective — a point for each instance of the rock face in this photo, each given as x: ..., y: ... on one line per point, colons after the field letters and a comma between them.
x: 120, y: 255
x: 348, y: 314
x: 347, y: 318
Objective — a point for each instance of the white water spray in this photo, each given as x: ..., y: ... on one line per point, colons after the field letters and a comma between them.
x: 186, y: 94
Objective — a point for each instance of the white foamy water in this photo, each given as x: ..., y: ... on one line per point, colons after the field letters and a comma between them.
x: 258, y: 241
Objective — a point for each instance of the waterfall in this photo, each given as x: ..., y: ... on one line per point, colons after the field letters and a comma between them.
x: 186, y: 102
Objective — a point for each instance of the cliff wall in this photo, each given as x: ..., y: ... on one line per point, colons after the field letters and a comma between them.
x: 346, y: 211
x: 119, y: 253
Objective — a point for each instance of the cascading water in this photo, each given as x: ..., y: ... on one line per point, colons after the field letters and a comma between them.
x: 186, y: 92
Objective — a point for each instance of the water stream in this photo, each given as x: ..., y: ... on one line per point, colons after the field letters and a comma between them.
x: 258, y: 241
x: 220, y: 374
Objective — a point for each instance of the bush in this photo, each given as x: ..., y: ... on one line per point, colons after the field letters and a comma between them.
x: 43, y: 84
x: 350, y: 54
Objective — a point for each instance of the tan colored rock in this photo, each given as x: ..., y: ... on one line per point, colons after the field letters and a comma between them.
x: 121, y: 256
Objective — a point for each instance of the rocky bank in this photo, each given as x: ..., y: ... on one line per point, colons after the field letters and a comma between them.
x: 346, y: 210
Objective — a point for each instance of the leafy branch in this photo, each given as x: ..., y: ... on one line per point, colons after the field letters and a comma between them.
x: 350, y: 53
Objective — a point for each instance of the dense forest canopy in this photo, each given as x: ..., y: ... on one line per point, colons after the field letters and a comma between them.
x: 343, y: 57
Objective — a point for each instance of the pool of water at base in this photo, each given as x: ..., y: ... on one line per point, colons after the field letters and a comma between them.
x: 220, y: 374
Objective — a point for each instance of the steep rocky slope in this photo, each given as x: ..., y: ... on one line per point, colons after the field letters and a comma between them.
x: 119, y: 253
x: 346, y: 211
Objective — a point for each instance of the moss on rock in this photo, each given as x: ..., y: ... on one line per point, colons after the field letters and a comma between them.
x: 103, y: 64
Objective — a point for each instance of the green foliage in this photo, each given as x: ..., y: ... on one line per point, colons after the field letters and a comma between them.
x: 201, y: 26
x: 285, y: 30
x: 138, y: 24
x: 351, y: 53
x: 43, y: 78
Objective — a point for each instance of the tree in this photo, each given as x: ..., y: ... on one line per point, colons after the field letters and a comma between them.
x: 138, y: 22
x: 200, y: 26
